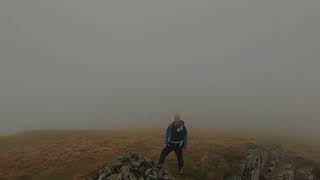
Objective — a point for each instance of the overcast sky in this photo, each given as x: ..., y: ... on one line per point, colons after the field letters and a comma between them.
x: 133, y: 63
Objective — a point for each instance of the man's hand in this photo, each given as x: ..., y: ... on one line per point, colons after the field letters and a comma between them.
x: 183, y: 146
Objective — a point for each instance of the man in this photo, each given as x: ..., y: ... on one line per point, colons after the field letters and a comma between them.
x: 176, y: 140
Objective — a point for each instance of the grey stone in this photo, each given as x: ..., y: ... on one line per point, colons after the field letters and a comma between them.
x: 148, y: 171
x: 142, y: 170
x: 153, y: 177
x: 114, y: 177
x: 125, y: 170
x: 102, y: 177
x: 136, y: 164
x: 167, y: 177
x: 105, y: 170
x: 132, y: 177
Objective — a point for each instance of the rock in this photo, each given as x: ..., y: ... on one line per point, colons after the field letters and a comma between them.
x: 142, y: 170
x: 132, y: 167
x: 115, y: 167
x: 105, y: 170
x: 102, y: 176
x: 125, y: 172
x: 167, y: 177
x: 114, y: 177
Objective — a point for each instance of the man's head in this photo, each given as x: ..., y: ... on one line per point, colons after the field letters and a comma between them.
x: 176, y: 118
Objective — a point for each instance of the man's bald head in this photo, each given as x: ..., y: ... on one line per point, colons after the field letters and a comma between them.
x: 177, y: 118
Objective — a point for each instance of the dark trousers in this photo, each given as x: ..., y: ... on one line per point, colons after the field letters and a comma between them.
x: 169, y: 148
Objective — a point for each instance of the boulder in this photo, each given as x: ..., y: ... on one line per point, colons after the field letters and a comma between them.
x: 132, y: 167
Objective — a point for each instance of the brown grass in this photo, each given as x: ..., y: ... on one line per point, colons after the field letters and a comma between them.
x: 67, y: 154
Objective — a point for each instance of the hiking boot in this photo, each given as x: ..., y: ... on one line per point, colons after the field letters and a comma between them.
x: 180, y: 171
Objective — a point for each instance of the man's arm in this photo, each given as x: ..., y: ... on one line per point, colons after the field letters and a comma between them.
x: 167, y: 138
x: 185, y: 137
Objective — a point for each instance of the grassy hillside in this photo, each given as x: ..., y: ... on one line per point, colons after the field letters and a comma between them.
x: 73, y: 154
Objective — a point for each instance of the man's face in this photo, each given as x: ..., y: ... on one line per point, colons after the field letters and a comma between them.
x: 176, y: 118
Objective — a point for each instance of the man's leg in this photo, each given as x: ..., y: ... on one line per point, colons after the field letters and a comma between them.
x: 164, y: 153
x: 178, y: 151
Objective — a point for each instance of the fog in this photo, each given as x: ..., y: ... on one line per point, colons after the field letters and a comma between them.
x: 119, y: 64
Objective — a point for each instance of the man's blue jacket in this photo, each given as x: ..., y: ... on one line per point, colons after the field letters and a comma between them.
x: 177, y: 134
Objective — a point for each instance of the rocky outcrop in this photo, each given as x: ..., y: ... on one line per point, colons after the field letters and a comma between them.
x: 267, y: 163
x: 288, y: 171
x: 131, y: 167
x: 260, y: 162
x: 306, y: 173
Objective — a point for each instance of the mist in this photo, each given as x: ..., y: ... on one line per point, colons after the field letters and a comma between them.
x: 119, y: 64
